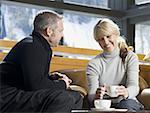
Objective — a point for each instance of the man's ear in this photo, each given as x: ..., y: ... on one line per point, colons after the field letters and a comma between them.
x: 49, y: 31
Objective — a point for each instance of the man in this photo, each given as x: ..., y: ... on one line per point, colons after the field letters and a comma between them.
x: 25, y: 84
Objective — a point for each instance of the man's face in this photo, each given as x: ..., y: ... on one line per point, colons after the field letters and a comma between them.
x: 57, y: 34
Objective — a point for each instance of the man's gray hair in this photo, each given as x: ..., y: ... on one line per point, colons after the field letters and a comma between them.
x: 45, y: 19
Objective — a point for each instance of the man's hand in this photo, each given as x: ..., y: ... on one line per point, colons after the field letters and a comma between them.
x: 63, y: 77
x: 67, y: 80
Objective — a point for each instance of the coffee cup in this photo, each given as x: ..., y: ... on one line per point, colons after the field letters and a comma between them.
x: 102, y: 104
x: 112, y: 91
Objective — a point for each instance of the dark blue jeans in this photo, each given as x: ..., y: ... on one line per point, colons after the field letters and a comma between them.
x: 130, y: 104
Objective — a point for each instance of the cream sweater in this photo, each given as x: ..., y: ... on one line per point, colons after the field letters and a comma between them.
x: 108, y: 68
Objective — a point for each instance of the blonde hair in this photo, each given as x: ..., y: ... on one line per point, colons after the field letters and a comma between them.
x: 124, y: 48
x: 122, y: 44
x: 106, y: 27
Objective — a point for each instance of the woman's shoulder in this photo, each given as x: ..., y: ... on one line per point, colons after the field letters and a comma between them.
x: 131, y: 56
x: 96, y: 58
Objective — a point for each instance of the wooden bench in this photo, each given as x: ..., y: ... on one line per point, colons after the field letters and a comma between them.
x: 73, y: 62
x: 65, y: 58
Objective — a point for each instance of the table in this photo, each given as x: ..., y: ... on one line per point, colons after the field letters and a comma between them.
x: 113, y: 111
x: 97, y: 111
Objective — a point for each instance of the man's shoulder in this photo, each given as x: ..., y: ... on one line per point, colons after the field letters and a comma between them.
x: 27, y: 40
x: 24, y: 43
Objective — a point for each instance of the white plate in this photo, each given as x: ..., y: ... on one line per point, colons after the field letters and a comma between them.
x: 109, y: 109
x: 102, y: 109
x: 122, y: 110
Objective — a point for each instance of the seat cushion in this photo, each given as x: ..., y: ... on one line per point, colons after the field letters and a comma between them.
x: 145, y: 98
x: 78, y: 77
x: 142, y: 83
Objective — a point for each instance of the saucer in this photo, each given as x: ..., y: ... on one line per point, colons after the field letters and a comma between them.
x: 121, y: 110
x: 108, y: 109
x: 103, y: 109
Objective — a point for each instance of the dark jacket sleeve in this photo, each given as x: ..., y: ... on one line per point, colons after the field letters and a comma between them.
x: 33, y: 61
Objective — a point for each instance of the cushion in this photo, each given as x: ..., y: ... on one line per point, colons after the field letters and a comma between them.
x: 78, y: 77
x: 145, y: 98
x: 142, y: 83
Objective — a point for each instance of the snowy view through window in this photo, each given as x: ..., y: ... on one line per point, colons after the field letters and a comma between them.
x: 16, y: 23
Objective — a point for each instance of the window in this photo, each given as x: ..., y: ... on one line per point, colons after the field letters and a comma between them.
x: 138, y: 2
x: 142, y: 37
x: 0, y: 23
x: 16, y: 21
x: 94, y: 3
x: 78, y: 28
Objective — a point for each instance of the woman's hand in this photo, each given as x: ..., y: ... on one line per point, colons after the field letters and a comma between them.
x: 100, y: 92
x: 121, y: 90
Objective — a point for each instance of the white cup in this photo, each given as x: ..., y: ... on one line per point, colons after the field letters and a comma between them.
x: 102, y: 104
x: 111, y: 90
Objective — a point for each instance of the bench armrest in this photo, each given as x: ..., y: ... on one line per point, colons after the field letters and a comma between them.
x: 79, y: 88
x: 145, y: 98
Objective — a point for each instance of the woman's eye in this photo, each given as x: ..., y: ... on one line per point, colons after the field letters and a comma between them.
x: 98, y: 39
x: 101, y: 39
x: 108, y: 36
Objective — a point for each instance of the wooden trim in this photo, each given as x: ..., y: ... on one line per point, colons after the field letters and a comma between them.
x: 61, y: 63
x: 145, y: 68
x: 140, y: 56
x: 74, y: 50
x: 2, y: 55
x: 67, y: 62
x: 7, y: 43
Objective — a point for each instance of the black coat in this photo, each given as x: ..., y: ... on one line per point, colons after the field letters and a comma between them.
x: 24, y: 76
x: 31, y: 59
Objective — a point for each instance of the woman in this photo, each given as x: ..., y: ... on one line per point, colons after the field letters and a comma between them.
x: 117, y: 65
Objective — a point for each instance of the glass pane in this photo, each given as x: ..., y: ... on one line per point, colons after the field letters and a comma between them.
x: 16, y: 21
x: 142, y: 37
x: 0, y: 23
x: 138, y: 2
x: 78, y: 30
x: 95, y: 3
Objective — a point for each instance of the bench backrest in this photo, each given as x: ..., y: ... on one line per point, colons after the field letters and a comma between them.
x: 72, y: 61
x: 64, y: 57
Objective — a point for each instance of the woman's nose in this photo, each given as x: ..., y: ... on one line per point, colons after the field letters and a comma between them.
x: 106, y: 41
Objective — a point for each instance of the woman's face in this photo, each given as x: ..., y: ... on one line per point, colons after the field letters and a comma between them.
x: 108, y: 43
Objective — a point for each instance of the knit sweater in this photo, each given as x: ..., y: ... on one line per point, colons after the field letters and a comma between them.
x: 108, y: 68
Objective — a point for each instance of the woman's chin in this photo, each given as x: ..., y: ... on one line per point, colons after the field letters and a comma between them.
x: 109, y: 50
